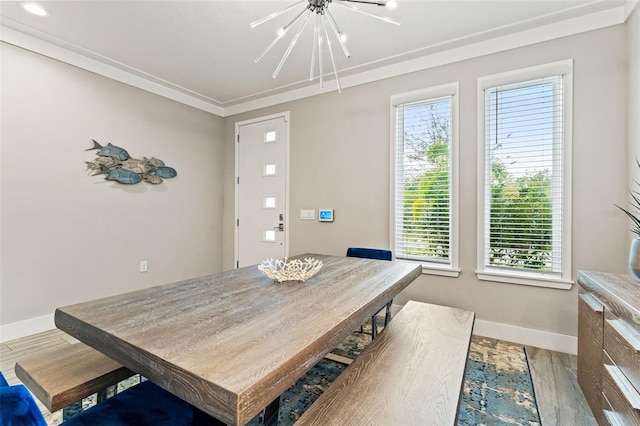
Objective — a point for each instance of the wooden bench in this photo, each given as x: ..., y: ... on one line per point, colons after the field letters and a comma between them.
x: 66, y: 374
x: 411, y: 374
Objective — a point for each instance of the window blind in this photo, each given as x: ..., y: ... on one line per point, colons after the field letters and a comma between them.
x: 423, y: 147
x: 523, y: 188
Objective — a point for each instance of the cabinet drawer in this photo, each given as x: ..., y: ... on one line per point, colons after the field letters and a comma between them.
x: 622, y: 344
x: 612, y: 418
x: 621, y: 401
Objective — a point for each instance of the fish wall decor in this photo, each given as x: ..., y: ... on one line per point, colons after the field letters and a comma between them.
x: 116, y: 165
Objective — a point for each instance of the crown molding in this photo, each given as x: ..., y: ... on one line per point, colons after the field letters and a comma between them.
x: 73, y: 55
x: 103, y: 66
x: 629, y: 6
x: 540, y: 34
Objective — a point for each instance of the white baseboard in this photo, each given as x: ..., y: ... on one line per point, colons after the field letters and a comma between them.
x: 25, y: 328
x: 527, y: 336
x: 524, y: 336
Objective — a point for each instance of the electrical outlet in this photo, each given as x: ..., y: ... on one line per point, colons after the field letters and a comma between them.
x: 143, y: 266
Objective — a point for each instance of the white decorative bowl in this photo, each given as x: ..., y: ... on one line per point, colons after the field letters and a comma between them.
x: 290, y: 270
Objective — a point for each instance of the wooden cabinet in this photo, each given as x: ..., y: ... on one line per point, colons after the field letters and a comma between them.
x: 590, y: 330
x: 609, y: 346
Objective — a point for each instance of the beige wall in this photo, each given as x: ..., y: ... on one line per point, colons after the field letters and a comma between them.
x: 68, y: 237
x: 633, y: 48
x: 340, y: 159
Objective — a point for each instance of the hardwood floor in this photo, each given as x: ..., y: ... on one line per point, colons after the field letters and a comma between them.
x: 559, y: 398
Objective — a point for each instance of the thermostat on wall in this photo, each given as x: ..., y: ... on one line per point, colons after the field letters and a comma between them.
x: 325, y: 215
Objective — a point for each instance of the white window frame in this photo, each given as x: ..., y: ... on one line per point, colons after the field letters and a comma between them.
x: 561, y: 280
x: 450, y: 89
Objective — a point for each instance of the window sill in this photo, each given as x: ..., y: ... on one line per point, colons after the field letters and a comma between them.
x: 525, y: 279
x: 431, y: 269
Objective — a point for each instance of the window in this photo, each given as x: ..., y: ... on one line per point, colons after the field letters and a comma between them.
x: 424, y: 167
x: 524, y: 176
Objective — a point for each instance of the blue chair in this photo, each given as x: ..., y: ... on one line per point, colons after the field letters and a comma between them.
x: 145, y: 404
x: 17, y: 407
x: 142, y: 405
x: 378, y: 254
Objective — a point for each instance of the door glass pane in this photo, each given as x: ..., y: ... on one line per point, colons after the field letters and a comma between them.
x: 269, y: 170
x: 269, y: 236
x: 269, y: 136
x: 269, y: 202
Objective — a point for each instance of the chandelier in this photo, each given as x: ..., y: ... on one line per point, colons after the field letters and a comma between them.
x: 324, y: 24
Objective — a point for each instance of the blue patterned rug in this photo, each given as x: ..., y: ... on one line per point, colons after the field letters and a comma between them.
x: 497, y: 388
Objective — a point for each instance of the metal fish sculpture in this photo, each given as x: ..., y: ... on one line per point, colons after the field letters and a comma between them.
x: 165, y: 172
x: 152, y: 178
x: 116, y: 164
x: 138, y: 166
x: 110, y: 151
x: 99, y: 162
x: 154, y: 162
x: 120, y: 175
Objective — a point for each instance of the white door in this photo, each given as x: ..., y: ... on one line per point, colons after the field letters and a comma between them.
x: 262, y: 148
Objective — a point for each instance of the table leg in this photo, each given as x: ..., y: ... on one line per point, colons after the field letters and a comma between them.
x: 269, y: 415
x: 102, y: 395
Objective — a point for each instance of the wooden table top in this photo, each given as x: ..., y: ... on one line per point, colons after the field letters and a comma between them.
x: 232, y: 342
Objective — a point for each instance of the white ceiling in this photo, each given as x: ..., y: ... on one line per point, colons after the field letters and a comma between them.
x: 207, y: 50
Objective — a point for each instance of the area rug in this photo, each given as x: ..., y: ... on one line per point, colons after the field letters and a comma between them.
x: 497, y: 389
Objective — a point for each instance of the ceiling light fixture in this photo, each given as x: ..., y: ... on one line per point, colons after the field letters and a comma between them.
x: 324, y: 21
x: 34, y: 8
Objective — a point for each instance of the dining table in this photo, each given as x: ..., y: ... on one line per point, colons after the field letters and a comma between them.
x: 231, y: 343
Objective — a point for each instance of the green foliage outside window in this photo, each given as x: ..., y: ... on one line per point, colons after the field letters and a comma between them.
x: 520, y: 233
x: 521, y: 205
x: 426, y: 197
x: 426, y: 207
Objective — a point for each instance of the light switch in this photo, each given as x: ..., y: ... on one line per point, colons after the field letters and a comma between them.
x: 307, y: 214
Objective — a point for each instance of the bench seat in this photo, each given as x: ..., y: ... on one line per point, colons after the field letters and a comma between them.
x: 66, y: 374
x: 411, y: 374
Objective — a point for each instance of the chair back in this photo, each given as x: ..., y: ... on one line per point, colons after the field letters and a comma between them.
x: 369, y: 253
x: 17, y: 406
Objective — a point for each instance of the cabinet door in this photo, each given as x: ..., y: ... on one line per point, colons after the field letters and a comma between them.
x: 590, y: 331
